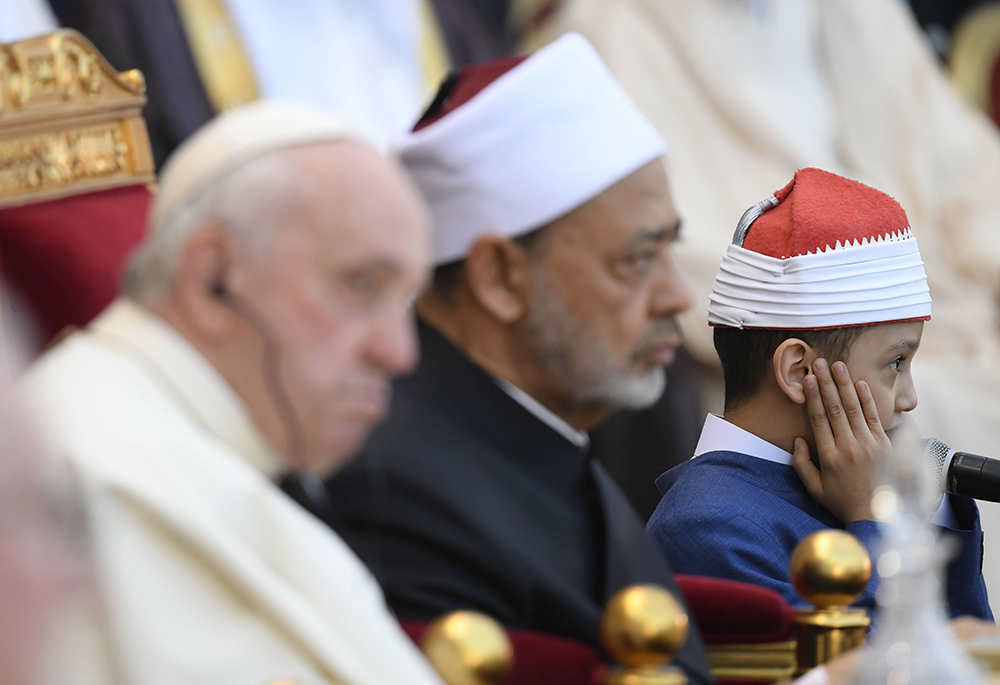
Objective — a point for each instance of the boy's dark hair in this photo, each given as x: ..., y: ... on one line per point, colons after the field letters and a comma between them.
x: 747, y: 354
x: 448, y: 276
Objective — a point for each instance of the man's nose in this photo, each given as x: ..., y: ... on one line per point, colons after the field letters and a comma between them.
x: 670, y: 292
x: 392, y: 345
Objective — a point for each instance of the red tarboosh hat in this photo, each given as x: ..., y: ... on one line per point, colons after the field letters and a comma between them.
x: 822, y: 252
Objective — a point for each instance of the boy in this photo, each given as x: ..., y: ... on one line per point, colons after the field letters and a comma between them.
x: 823, y: 286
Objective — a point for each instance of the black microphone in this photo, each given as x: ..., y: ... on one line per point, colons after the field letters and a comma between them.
x: 301, y: 485
x: 260, y: 324
x: 965, y: 474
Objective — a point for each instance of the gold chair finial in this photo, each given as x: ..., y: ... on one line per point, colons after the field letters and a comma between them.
x: 830, y: 569
x: 468, y: 648
x: 642, y: 628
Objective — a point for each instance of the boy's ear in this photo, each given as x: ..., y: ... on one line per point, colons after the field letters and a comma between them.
x: 792, y: 363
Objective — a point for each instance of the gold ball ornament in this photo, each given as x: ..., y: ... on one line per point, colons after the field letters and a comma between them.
x: 135, y: 79
x: 830, y: 568
x: 643, y: 625
x: 468, y: 648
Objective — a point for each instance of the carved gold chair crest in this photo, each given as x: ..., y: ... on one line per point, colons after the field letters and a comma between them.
x: 76, y: 171
x: 69, y: 123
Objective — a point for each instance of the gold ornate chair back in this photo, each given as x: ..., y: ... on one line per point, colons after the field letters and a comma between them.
x: 975, y: 58
x: 69, y: 123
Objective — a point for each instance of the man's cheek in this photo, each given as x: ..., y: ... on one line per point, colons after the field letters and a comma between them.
x: 321, y: 364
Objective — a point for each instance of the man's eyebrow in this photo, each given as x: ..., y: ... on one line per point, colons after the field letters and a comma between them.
x: 657, y: 235
x: 381, y: 264
x: 380, y: 267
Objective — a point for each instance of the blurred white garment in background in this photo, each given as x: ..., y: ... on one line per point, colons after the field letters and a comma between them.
x: 364, y: 60
x: 25, y: 18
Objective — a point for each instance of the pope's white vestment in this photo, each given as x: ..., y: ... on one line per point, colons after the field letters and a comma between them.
x: 207, y: 573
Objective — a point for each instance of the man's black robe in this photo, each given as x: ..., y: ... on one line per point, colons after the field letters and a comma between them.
x: 463, y: 499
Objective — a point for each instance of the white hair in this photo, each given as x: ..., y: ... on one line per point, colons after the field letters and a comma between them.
x: 247, y: 202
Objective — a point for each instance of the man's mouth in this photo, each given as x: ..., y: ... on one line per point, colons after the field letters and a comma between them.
x: 664, y: 355
x: 371, y: 400
x: 666, y: 339
x: 661, y: 353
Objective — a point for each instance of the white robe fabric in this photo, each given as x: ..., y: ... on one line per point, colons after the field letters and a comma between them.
x: 746, y: 92
x: 207, y: 573
x: 364, y: 60
x: 20, y: 19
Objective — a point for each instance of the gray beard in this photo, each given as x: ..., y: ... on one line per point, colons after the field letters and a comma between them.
x: 580, y: 361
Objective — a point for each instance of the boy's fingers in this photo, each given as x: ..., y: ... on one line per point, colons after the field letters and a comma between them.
x: 830, y: 393
x: 849, y: 399
x: 817, y: 414
x: 870, y: 409
x: 808, y: 473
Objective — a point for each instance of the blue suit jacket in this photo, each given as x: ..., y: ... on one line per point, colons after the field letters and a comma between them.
x: 731, y: 515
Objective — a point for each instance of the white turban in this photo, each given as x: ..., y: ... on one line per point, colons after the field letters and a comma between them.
x: 536, y: 142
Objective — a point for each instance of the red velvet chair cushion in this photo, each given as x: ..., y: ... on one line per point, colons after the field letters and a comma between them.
x: 64, y: 258
x: 728, y: 611
x: 541, y: 659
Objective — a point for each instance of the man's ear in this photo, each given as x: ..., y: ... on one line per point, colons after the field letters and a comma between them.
x: 202, y: 281
x: 792, y: 363
x: 498, y: 272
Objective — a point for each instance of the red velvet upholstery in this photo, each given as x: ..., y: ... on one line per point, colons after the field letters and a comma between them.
x: 541, y: 659
x: 728, y: 611
x: 64, y: 258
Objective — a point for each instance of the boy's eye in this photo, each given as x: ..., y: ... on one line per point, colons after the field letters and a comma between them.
x: 894, y: 364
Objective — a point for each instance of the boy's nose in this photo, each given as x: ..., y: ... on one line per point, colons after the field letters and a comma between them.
x: 906, y: 395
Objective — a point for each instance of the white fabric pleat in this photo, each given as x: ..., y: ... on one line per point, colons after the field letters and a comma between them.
x: 842, y: 286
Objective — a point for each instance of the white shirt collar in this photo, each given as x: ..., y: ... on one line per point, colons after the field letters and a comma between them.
x: 194, y: 383
x: 543, y: 414
x: 720, y: 435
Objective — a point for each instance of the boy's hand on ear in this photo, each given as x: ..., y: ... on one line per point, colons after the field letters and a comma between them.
x: 850, y: 443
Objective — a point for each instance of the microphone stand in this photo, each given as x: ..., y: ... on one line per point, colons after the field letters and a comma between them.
x: 912, y: 641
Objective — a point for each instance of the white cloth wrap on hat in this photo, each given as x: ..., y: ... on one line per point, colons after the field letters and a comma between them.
x: 538, y: 142
x: 848, y: 286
